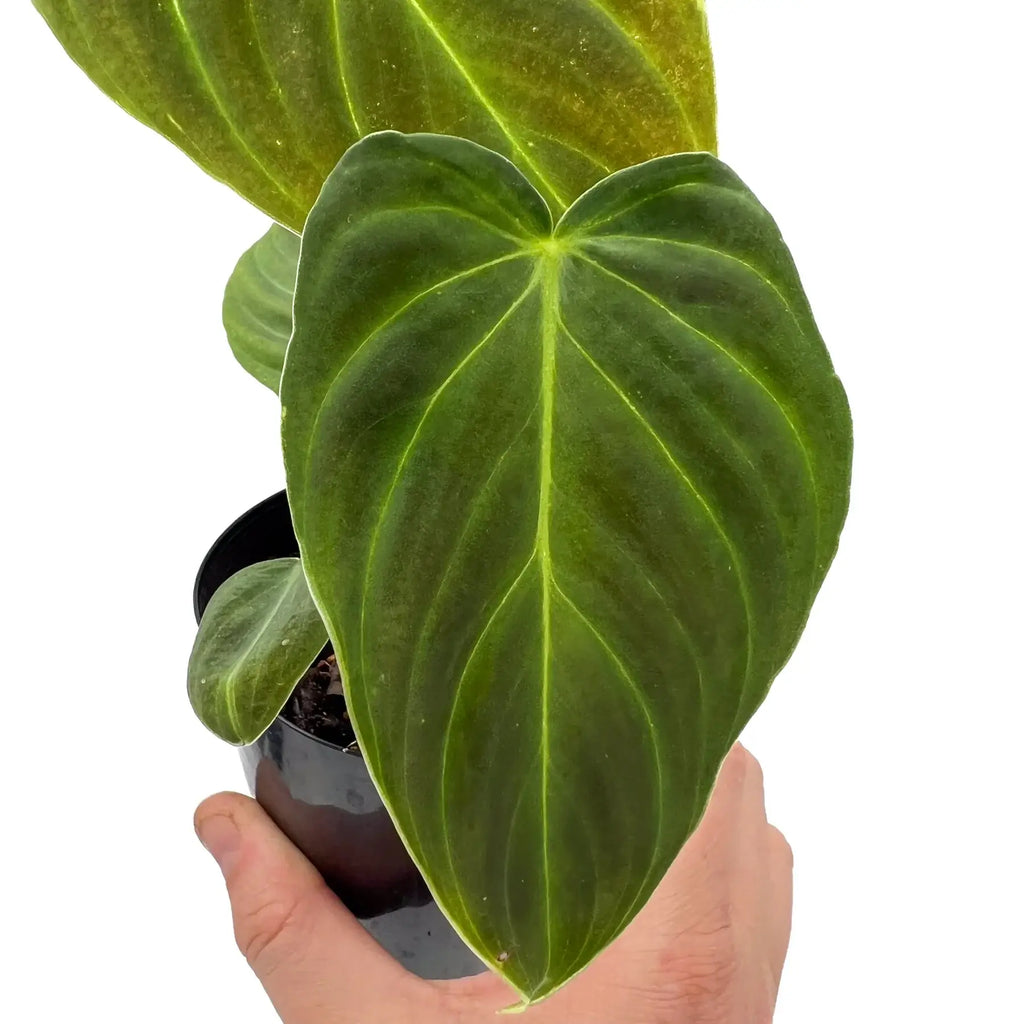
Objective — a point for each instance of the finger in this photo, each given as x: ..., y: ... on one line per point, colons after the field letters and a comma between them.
x: 753, y: 789
x: 308, y: 951
x: 725, y: 806
x: 480, y: 996
x: 780, y: 902
x: 709, y: 853
x: 732, y: 779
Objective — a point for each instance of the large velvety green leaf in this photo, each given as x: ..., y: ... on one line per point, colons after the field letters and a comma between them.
x: 258, y: 304
x: 564, y: 495
x: 259, y: 635
x: 267, y: 94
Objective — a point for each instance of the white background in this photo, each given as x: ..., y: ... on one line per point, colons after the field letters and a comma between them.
x: 885, y: 139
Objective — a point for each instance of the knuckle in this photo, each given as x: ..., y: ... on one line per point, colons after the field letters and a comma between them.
x: 780, y: 845
x: 734, y: 768
x: 752, y: 768
x: 264, y: 930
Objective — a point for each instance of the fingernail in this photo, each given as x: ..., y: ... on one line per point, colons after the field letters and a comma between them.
x: 219, y: 834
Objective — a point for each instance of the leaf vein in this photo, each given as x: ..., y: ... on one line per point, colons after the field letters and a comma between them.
x: 679, y: 187
x: 486, y: 103
x: 121, y: 98
x: 457, y: 548
x: 271, y: 71
x: 401, y: 311
x: 734, y: 557
x: 634, y: 43
x: 230, y: 690
x: 645, y: 708
x: 550, y: 318
x: 339, y: 50
x: 456, y: 697
x: 800, y: 440
x: 403, y: 462
x: 218, y: 103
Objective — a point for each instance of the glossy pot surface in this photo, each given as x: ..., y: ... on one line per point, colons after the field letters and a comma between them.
x: 322, y: 798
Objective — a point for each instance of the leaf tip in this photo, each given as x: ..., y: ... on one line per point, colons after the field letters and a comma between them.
x: 519, y: 1007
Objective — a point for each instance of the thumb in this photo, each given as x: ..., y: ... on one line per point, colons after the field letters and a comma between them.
x: 316, y: 962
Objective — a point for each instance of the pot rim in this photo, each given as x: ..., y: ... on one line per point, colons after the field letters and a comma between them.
x: 317, y: 739
x: 225, y: 537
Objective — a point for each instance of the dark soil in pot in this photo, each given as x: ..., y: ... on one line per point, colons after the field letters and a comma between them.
x: 307, y: 773
x: 317, y: 705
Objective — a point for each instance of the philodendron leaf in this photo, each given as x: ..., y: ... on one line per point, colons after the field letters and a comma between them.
x: 258, y: 636
x: 258, y: 304
x: 565, y: 494
x: 266, y: 95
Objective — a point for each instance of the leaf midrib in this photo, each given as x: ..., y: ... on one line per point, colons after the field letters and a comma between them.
x: 550, y: 282
x: 292, y: 575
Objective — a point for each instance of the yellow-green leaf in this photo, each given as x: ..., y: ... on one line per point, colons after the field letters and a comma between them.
x: 266, y: 95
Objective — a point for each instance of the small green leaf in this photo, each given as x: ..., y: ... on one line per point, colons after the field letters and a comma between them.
x: 258, y: 304
x: 259, y: 635
x: 565, y: 494
x: 267, y: 94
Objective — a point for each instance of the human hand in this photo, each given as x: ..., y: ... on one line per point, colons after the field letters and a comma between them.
x: 708, y: 947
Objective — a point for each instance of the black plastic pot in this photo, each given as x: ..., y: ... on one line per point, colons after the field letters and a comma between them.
x: 322, y: 797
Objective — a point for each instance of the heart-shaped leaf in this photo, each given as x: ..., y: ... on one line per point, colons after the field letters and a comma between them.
x: 258, y: 636
x: 258, y: 304
x: 565, y: 495
x: 266, y: 95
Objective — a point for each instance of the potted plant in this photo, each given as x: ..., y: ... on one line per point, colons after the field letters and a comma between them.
x: 566, y: 457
